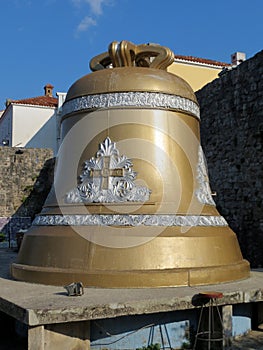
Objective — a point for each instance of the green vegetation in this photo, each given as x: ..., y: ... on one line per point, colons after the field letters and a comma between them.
x: 27, y: 191
x: 2, y: 237
x: 28, y: 188
x: 150, y: 347
x: 186, y: 345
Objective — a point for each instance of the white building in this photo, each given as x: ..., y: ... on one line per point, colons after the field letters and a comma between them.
x: 32, y: 122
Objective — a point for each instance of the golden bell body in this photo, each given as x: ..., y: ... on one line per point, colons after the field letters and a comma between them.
x: 131, y: 204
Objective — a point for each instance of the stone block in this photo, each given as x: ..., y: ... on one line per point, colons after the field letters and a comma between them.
x: 60, y: 336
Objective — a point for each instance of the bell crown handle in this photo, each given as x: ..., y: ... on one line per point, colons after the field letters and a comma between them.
x: 127, y: 54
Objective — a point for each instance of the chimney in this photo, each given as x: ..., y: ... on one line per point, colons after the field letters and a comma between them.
x: 237, y: 58
x: 48, y: 90
x: 8, y: 102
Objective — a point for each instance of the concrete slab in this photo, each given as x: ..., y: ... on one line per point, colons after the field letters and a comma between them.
x: 35, y: 304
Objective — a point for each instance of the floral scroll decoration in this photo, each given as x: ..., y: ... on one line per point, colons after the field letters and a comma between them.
x: 203, y: 193
x: 108, y: 178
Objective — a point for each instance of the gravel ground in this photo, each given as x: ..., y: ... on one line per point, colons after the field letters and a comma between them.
x: 251, y: 341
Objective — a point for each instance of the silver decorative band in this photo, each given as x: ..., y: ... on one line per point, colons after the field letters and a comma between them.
x: 131, y: 99
x: 128, y: 220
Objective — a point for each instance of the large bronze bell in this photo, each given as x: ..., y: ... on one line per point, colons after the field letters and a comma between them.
x: 131, y: 204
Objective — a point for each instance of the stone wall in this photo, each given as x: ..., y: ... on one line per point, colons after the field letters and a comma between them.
x: 232, y: 138
x: 26, y: 176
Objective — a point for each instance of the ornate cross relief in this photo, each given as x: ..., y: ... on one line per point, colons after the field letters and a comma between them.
x: 108, y: 178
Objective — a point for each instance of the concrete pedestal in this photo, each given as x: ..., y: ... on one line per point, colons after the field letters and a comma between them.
x: 57, y: 321
x: 62, y: 336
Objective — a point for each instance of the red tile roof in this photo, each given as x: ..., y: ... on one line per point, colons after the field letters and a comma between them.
x: 38, y: 101
x: 202, y: 60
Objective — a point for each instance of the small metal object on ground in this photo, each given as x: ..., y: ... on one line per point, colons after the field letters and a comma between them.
x: 75, y: 289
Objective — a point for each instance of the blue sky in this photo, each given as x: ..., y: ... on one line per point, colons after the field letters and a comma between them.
x: 52, y: 41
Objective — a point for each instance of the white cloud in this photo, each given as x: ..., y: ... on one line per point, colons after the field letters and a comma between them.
x: 95, y: 5
x: 95, y: 10
x: 86, y: 23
